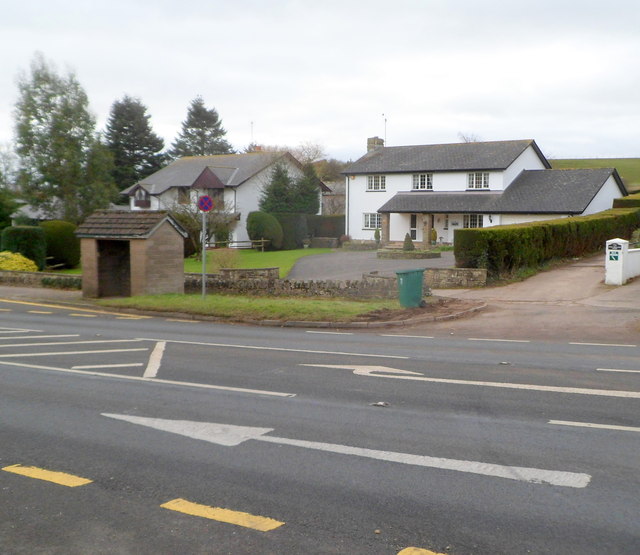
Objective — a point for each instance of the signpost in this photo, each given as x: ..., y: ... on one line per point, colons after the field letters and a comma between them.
x: 205, y: 204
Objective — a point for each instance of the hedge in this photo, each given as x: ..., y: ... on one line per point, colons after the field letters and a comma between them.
x: 63, y: 247
x: 29, y: 241
x: 261, y: 225
x: 294, y: 229
x: 631, y: 201
x: 505, y: 249
x: 325, y: 226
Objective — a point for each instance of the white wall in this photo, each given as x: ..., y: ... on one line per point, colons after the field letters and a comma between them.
x: 604, y: 199
x: 528, y: 160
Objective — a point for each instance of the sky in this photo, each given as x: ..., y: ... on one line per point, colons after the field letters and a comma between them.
x: 332, y: 73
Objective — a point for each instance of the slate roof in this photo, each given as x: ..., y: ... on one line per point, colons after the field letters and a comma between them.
x: 532, y: 192
x: 493, y: 155
x: 125, y: 224
x: 231, y: 170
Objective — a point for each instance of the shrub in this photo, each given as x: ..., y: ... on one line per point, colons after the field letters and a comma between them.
x: 502, y: 250
x: 261, y: 225
x: 631, y: 201
x: 16, y: 262
x: 408, y: 243
x: 325, y: 226
x: 63, y: 247
x: 29, y: 241
x: 294, y: 230
x: 222, y: 258
x: 376, y: 237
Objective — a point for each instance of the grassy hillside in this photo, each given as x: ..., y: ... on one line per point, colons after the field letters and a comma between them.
x: 628, y: 168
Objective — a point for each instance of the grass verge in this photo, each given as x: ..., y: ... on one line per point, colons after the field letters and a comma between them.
x: 236, y: 307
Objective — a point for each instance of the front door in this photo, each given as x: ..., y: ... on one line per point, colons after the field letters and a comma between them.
x: 413, y: 227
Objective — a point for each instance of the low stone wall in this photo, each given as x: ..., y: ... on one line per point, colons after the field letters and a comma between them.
x: 353, y: 289
x: 450, y: 278
x: 41, y: 279
x: 249, y: 273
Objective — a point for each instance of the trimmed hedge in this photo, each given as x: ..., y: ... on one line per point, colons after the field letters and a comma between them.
x: 325, y: 226
x: 505, y: 249
x: 29, y: 241
x: 261, y: 225
x: 63, y: 247
x: 294, y: 230
x: 630, y: 201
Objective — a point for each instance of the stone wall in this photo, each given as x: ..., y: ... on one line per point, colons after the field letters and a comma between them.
x: 450, y: 278
x: 249, y: 273
x: 40, y: 279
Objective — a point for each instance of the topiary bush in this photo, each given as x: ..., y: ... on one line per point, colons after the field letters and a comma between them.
x: 16, y: 262
x: 63, y: 247
x: 261, y: 225
x: 408, y: 243
x: 26, y: 240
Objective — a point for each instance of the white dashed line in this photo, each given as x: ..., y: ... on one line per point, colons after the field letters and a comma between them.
x: 499, y: 340
x: 331, y: 332
x: 592, y: 425
x: 618, y: 370
x: 602, y: 344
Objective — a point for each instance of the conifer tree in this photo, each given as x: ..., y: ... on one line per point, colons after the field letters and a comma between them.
x: 277, y: 194
x: 202, y: 133
x: 136, y: 149
x: 305, y: 198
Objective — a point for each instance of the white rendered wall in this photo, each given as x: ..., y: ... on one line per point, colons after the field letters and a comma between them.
x: 528, y: 160
x: 604, y: 198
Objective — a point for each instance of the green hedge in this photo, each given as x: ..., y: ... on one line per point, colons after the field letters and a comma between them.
x: 325, y: 226
x: 63, y: 247
x: 504, y: 249
x: 631, y: 201
x: 294, y: 230
x: 261, y: 225
x: 29, y: 241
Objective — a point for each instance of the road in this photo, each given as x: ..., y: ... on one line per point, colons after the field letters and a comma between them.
x: 195, y: 437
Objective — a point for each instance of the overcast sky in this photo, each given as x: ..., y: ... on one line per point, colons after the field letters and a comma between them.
x: 565, y: 73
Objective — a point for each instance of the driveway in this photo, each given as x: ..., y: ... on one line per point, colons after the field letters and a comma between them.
x: 350, y: 265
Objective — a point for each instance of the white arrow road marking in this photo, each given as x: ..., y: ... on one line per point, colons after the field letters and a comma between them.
x: 155, y: 358
x: 397, y: 374
x: 229, y: 435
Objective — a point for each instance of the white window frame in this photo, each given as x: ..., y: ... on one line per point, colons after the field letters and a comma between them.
x: 472, y: 221
x: 369, y: 218
x: 376, y: 183
x: 422, y: 182
x: 478, y: 180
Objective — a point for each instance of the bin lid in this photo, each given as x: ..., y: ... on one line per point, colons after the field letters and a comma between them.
x: 410, y: 271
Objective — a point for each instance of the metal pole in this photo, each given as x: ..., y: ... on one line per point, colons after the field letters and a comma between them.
x: 204, y: 254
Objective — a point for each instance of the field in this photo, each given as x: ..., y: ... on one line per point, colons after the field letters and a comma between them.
x: 628, y: 168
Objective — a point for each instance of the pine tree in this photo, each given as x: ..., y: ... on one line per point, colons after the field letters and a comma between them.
x: 277, y: 194
x: 305, y: 197
x: 202, y: 133
x: 55, y: 135
x: 135, y: 147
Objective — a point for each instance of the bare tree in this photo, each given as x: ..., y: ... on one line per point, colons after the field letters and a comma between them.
x: 469, y: 137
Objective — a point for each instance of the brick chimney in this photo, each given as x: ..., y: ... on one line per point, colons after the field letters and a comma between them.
x: 373, y: 143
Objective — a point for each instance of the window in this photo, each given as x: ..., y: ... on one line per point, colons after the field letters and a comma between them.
x: 472, y: 220
x: 376, y: 183
x: 423, y: 181
x: 479, y: 180
x: 446, y: 221
x: 184, y: 195
x: 141, y: 199
x: 372, y: 221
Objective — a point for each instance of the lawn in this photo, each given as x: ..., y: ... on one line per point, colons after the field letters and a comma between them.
x: 238, y: 307
x: 242, y: 258
x: 628, y: 168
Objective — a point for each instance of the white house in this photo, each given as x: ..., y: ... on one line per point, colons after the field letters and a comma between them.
x: 414, y: 189
x: 236, y: 180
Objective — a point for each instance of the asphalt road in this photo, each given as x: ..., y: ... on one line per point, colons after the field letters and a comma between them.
x: 205, y: 438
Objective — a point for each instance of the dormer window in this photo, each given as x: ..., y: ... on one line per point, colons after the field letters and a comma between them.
x: 422, y: 182
x: 478, y: 180
x: 141, y: 199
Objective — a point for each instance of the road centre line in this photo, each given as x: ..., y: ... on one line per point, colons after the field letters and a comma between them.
x: 39, y: 312
x: 592, y: 425
x: 147, y: 380
x: 40, y: 337
x: 101, y: 351
x: 89, y: 366
x: 246, y: 520
x: 83, y: 315
x: 60, y: 478
x: 617, y: 370
x: 332, y: 332
x: 409, y: 336
x: 84, y: 342
x: 284, y: 349
x: 499, y: 340
x: 601, y: 344
x: 18, y: 330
